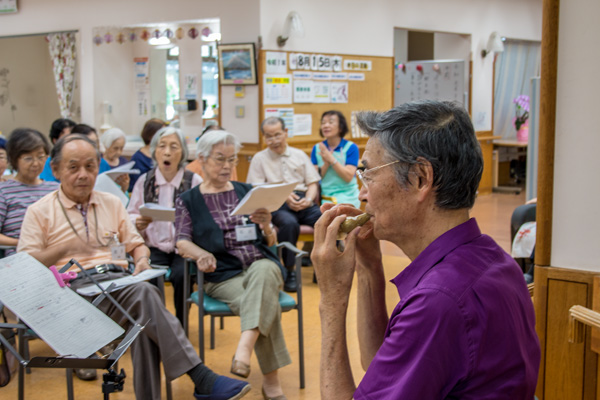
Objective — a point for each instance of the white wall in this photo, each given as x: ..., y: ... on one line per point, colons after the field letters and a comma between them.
x: 576, y: 209
x: 239, y: 23
x: 31, y: 85
x: 366, y: 28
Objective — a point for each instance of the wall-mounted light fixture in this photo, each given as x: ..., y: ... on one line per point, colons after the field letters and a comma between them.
x: 292, y: 27
x: 495, y: 44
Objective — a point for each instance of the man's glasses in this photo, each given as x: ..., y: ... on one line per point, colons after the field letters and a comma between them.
x: 220, y: 161
x: 276, y: 136
x: 31, y: 159
x: 363, y: 176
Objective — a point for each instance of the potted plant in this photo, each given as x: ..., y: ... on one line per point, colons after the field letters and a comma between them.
x: 521, y: 117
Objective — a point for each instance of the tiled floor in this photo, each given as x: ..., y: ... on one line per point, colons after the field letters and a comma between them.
x: 493, y: 214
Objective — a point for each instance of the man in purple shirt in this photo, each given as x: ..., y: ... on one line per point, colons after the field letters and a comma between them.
x: 464, y: 327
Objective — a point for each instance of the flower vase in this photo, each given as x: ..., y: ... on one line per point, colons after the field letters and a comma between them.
x: 523, y: 133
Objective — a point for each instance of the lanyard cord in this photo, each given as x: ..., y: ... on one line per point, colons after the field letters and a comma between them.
x: 73, y: 228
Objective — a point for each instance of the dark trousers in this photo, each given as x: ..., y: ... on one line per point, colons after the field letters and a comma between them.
x: 288, y: 226
x: 177, y: 264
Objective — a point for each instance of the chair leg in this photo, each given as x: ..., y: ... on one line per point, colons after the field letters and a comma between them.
x: 212, y: 332
x: 201, y: 331
x: 222, y: 323
x: 21, y: 367
x: 70, y: 393
x: 169, y: 390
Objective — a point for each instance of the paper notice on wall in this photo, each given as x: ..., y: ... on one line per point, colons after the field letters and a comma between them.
x: 286, y: 114
x: 191, y: 86
x: 302, y: 124
x: 142, y: 86
x: 276, y: 62
x: 303, y: 91
x: 339, y: 92
x: 356, y: 76
x: 322, y: 92
x: 277, y: 89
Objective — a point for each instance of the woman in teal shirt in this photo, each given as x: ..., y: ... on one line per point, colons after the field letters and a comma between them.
x: 336, y: 159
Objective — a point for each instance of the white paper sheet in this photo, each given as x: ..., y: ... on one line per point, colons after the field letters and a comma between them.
x: 270, y: 197
x: 105, y: 184
x: 148, y: 274
x: 302, y: 124
x: 158, y: 212
x: 64, y: 320
x: 122, y: 169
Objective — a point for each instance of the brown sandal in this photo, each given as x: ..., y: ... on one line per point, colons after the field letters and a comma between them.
x: 239, y: 368
x: 280, y: 397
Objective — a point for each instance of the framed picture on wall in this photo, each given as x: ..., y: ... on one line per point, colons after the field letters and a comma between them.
x: 237, y: 64
x: 8, y: 6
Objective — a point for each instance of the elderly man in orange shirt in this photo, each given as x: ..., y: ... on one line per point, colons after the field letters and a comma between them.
x: 77, y: 222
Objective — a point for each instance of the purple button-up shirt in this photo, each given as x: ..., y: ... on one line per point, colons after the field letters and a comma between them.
x: 463, y: 329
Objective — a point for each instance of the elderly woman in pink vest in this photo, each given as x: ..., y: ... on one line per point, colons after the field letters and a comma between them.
x: 162, y: 185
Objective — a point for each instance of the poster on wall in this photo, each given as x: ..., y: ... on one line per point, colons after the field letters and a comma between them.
x: 302, y: 124
x: 277, y: 89
x: 276, y: 62
x: 303, y: 91
x: 191, y: 86
x: 286, y: 114
x: 142, y: 86
x: 322, y: 92
x: 339, y: 92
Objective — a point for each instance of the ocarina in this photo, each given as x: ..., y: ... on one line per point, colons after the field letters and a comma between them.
x: 351, y: 223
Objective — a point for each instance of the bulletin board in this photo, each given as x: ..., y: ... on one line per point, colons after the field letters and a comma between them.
x: 367, y: 83
x: 430, y: 80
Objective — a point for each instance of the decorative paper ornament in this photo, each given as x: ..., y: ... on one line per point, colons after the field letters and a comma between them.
x: 179, y: 33
x: 108, y: 38
x: 121, y: 38
x: 193, y: 33
x: 145, y: 35
x: 168, y: 33
x: 156, y: 34
x: 436, y: 67
x: 420, y: 68
x: 132, y: 36
x: 206, y: 32
x: 97, y: 40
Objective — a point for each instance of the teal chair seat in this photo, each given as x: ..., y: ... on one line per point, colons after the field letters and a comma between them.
x: 216, y: 307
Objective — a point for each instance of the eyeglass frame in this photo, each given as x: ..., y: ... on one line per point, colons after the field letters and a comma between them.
x: 234, y: 161
x: 33, y: 158
x: 361, y: 174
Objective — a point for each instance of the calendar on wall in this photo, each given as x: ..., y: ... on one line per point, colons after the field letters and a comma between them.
x: 8, y: 6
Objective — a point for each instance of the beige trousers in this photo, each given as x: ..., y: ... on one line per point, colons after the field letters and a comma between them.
x: 254, y: 296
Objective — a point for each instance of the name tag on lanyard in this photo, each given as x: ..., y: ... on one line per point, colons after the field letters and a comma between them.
x: 245, y: 232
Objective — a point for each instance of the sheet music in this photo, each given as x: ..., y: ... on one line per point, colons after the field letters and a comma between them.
x: 122, y: 169
x: 105, y: 184
x: 148, y: 274
x: 270, y: 197
x: 158, y: 212
x: 64, y: 320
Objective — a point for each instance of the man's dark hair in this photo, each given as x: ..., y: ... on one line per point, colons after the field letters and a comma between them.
x: 440, y: 132
x: 341, y: 119
x: 83, y: 129
x: 150, y: 128
x: 56, y: 154
x: 24, y: 140
x: 272, y: 121
x: 58, y: 126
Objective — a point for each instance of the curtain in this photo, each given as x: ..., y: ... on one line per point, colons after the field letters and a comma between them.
x: 63, y: 55
x: 514, y: 68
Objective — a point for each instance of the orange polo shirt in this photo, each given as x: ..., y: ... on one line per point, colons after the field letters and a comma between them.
x: 45, y: 226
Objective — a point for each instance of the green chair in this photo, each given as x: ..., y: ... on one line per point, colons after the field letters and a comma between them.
x: 216, y: 308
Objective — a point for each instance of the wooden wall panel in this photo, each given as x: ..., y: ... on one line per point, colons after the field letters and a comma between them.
x: 564, y: 360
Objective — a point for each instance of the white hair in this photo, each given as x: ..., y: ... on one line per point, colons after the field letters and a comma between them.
x: 210, y: 139
x: 109, y: 137
x: 166, y: 131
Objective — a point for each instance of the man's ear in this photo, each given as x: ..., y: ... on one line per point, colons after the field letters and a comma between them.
x: 423, y: 177
x: 54, y: 169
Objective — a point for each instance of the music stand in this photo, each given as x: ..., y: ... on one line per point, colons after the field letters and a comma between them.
x: 112, y: 381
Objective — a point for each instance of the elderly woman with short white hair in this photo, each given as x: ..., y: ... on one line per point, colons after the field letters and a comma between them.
x: 240, y: 270
x: 113, y: 141
x: 162, y: 185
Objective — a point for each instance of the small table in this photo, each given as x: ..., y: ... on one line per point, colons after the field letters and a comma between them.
x: 498, y: 143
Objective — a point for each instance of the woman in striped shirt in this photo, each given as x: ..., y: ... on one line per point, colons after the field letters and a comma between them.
x: 27, y: 152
